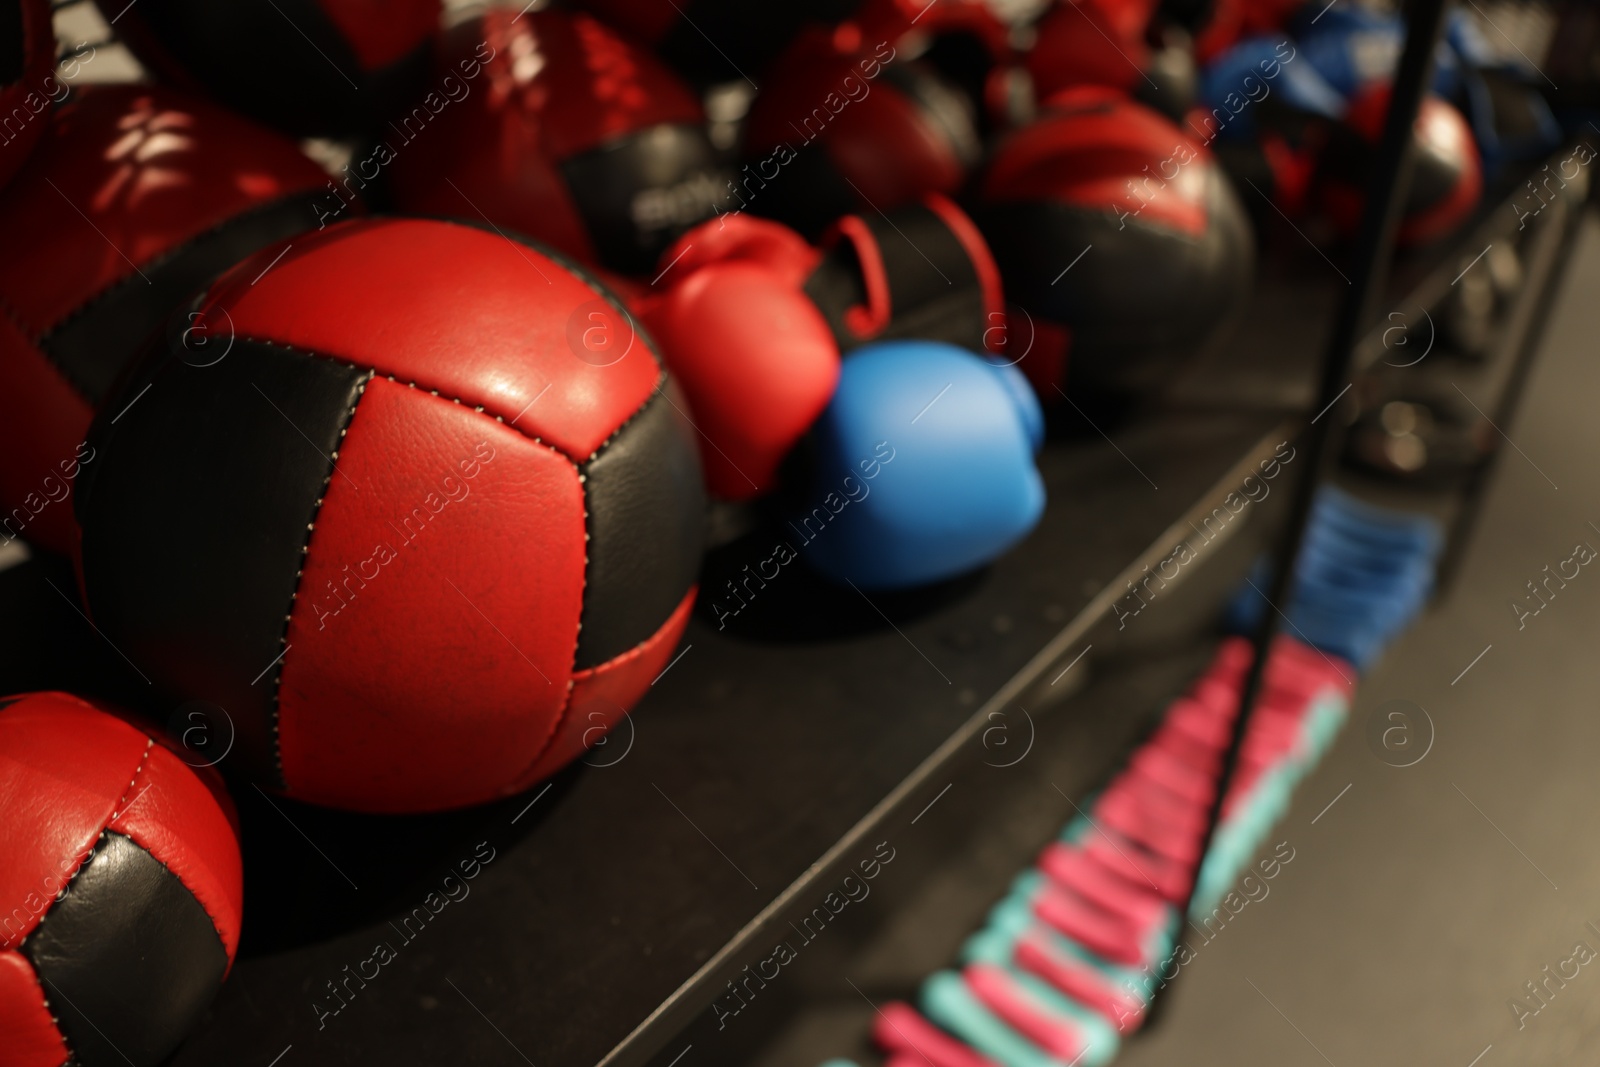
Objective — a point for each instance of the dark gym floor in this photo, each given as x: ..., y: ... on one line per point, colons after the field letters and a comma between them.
x: 1423, y: 899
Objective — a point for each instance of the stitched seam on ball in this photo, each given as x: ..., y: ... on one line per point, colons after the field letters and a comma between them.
x: 44, y: 995
x: 379, y: 372
x: 49, y: 1009
x: 305, y: 550
x: 588, y: 533
x: 144, y: 757
x: 28, y: 337
x: 60, y: 896
x: 159, y: 262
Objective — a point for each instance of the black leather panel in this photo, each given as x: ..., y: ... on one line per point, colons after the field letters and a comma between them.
x: 128, y: 959
x: 1122, y: 339
x: 298, y: 72
x: 638, y: 193
x: 95, y: 343
x: 190, y: 553
x: 934, y: 291
x: 646, y: 529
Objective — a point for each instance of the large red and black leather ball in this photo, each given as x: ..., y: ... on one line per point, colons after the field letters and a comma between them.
x: 568, y: 133
x: 840, y: 130
x: 1120, y: 243
x: 428, y: 528
x: 135, y: 200
x: 28, y: 89
x: 312, y: 68
x: 1446, y: 170
x: 120, y: 887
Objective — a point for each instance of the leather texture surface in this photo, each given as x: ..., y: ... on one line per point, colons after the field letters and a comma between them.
x: 57, y: 797
x: 128, y: 959
x: 198, y: 599
x: 446, y: 671
x: 170, y: 813
x: 132, y: 928
x: 31, y: 1037
x: 756, y: 361
x: 354, y: 63
x: 646, y: 505
x: 602, y: 695
x: 519, y: 366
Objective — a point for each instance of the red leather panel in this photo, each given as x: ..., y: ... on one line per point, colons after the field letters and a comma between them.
x: 516, y: 356
x: 63, y: 767
x: 176, y: 819
x: 890, y: 150
x: 42, y: 422
x: 459, y: 579
x: 602, y: 695
x: 382, y: 31
x: 1092, y: 151
x: 757, y: 363
x: 31, y: 1037
x: 148, y: 169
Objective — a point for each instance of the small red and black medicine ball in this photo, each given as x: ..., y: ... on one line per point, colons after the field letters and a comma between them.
x: 1119, y: 240
x: 843, y: 127
x: 28, y: 87
x: 312, y: 68
x: 137, y: 198
x: 427, y: 528
x: 120, y: 887
x: 1446, y: 175
x: 569, y: 134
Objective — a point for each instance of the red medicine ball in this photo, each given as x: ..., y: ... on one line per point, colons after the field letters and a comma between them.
x: 313, y: 68
x: 1446, y: 175
x: 120, y: 887
x: 427, y: 526
x: 844, y: 127
x: 27, y: 90
x: 561, y: 130
x: 137, y: 198
x: 1119, y: 240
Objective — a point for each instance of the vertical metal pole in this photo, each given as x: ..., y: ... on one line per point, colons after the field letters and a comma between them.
x: 1387, y: 187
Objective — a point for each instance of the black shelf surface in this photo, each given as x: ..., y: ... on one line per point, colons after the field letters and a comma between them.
x: 761, y: 764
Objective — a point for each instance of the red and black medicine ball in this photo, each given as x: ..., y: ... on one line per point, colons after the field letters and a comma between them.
x: 843, y: 127
x: 428, y: 525
x: 313, y: 68
x: 565, y: 132
x: 1446, y: 174
x: 120, y: 887
x: 137, y: 198
x: 28, y: 89
x: 1120, y: 243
